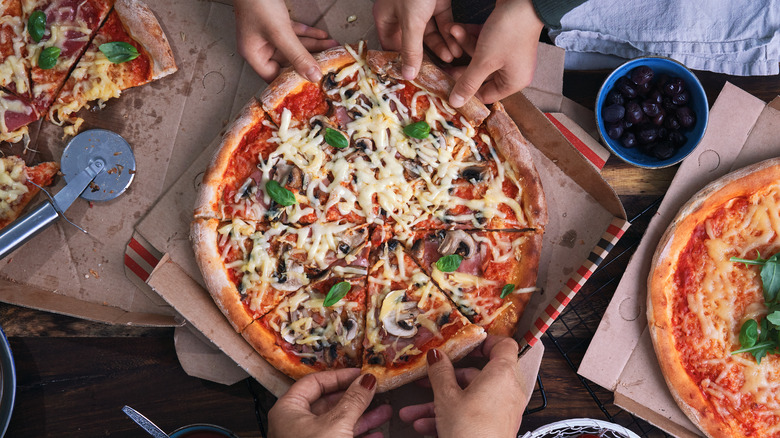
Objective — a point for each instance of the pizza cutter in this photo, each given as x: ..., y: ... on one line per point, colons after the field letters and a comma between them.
x: 98, y: 165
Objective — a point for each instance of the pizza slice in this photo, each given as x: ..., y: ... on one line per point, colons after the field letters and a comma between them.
x: 407, y: 316
x: 252, y: 267
x: 19, y: 184
x: 56, y: 41
x: 129, y: 49
x: 489, y: 275
x: 16, y: 113
x: 13, y: 51
x: 317, y: 328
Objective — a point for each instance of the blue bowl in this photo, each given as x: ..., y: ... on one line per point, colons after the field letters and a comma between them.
x: 698, y: 103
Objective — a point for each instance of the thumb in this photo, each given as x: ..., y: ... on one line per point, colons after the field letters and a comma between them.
x: 302, y: 61
x: 442, y: 375
x: 467, y: 85
x: 354, y: 401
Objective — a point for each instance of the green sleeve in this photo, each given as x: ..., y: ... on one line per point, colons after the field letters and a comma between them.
x: 551, y: 11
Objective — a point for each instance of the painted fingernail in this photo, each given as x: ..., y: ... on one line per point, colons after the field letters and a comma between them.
x: 409, y: 72
x: 368, y: 381
x: 456, y: 100
x: 433, y: 356
x: 313, y: 74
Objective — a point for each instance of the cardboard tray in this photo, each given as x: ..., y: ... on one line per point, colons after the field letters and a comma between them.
x: 742, y: 130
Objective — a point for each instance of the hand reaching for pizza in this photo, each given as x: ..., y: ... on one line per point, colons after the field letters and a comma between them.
x: 268, y: 39
x: 503, y: 50
x: 469, y: 402
x: 328, y: 403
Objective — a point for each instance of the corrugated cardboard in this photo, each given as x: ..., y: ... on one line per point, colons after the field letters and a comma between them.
x: 742, y: 130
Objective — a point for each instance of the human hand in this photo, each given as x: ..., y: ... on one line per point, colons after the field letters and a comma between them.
x: 503, y: 53
x: 268, y: 39
x: 404, y: 25
x: 468, y: 402
x: 328, y: 403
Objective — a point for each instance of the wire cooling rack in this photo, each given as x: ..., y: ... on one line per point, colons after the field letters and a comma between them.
x: 572, y: 332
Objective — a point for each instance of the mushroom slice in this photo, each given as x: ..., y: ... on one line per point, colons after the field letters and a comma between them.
x: 351, y: 326
x: 457, y: 242
x: 398, y: 316
x: 475, y: 173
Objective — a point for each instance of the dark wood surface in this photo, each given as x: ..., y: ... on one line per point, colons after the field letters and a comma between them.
x: 74, y: 376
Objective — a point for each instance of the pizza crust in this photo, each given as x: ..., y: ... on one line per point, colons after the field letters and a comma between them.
x: 430, y: 78
x: 142, y: 25
x: 210, y: 191
x: 685, y: 390
x: 264, y: 342
x: 204, y: 237
x: 515, y: 148
x: 456, y: 348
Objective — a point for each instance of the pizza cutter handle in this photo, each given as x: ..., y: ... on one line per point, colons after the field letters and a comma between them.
x: 26, y: 227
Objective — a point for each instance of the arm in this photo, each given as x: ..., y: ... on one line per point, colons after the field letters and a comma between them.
x: 328, y: 403
x: 268, y: 39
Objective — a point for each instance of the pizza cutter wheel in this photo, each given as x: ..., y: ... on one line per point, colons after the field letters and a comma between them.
x: 98, y: 165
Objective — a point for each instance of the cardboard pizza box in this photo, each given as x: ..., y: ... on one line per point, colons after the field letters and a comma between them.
x: 742, y: 130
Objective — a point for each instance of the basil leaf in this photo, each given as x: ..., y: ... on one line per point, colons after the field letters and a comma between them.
x: 48, y: 58
x: 335, y: 138
x: 419, y: 130
x: 748, y: 335
x: 279, y: 194
x: 774, y: 318
x: 507, y: 290
x: 336, y: 292
x: 119, y: 51
x: 770, y: 277
x: 36, y: 25
x: 449, y: 263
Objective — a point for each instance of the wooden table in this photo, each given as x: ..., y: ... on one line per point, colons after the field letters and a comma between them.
x: 74, y: 376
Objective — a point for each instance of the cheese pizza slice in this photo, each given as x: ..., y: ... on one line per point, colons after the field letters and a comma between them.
x: 67, y: 28
x: 252, y: 267
x: 15, y: 114
x: 407, y: 315
x: 13, y: 51
x: 19, y: 184
x: 489, y: 275
x: 317, y: 328
x: 129, y: 49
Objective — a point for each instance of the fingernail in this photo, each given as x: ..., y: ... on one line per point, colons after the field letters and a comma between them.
x: 314, y: 74
x: 409, y: 72
x: 457, y: 100
x: 368, y: 381
x: 433, y: 356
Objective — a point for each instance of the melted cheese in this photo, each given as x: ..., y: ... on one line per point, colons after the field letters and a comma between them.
x: 13, y: 175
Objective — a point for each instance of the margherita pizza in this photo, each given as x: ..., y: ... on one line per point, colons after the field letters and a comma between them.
x: 362, y: 221
x: 699, y: 299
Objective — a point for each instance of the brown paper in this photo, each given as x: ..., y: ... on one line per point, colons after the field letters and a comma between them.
x: 742, y: 130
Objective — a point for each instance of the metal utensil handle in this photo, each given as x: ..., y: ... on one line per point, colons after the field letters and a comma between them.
x: 23, y: 229
x: 144, y: 422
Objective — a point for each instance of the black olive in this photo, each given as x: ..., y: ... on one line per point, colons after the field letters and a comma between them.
x: 343, y: 247
x: 329, y: 81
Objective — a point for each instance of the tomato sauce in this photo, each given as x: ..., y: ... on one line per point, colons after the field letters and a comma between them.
x: 305, y: 104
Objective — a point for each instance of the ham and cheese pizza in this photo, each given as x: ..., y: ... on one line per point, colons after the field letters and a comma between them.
x: 57, y: 56
x: 698, y: 300
x: 362, y: 221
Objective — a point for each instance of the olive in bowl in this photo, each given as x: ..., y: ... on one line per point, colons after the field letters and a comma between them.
x: 652, y: 112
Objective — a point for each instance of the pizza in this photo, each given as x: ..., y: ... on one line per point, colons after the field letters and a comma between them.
x: 361, y: 221
x: 19, y: 184
x: 57, y: 56
x: 699, y: 299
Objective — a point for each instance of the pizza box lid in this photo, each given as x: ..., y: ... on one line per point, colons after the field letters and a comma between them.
x: 742, y: 131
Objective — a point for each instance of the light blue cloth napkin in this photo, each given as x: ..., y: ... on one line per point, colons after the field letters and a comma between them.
x: 738, y: 37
